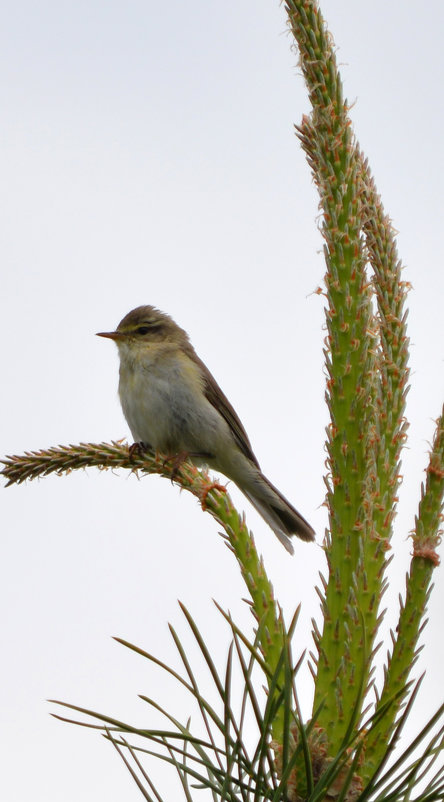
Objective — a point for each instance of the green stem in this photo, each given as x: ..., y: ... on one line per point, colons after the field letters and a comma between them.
x: 413, y: 609
x: 343, y: 647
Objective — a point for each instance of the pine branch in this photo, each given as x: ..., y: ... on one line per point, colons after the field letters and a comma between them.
x: 413, y: 609
x: 351, y: 600
x: 212, y: 496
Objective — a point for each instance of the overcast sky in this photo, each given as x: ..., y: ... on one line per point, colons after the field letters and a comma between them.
x: 148, y: 157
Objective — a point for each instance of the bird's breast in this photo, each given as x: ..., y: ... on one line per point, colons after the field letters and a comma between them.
x: 164, y: 404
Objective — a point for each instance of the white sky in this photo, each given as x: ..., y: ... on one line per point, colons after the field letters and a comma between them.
x: 148, y: 157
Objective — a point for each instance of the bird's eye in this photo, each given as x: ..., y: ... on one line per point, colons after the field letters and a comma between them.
x: 143, y: 330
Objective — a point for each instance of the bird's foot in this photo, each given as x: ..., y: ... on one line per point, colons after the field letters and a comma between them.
x: 138, y: 449
x: 177, y: 460
x: 207, y: 489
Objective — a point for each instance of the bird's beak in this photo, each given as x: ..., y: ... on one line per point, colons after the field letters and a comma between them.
x: 112, y: 335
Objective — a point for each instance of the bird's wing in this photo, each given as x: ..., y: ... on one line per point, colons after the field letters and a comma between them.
x: 220, y: 402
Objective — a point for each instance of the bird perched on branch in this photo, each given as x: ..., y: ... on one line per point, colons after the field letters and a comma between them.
x: 173, y: 405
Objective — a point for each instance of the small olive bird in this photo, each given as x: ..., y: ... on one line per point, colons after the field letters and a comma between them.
x: 173, y: 405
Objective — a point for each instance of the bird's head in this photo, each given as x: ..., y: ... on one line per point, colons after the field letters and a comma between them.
x: 144, y: 326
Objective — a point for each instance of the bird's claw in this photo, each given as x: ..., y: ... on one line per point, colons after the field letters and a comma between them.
x: 177, y: 460
x: 137, y: 450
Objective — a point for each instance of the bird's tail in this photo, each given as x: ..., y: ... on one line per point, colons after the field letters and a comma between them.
x: 279, y: 514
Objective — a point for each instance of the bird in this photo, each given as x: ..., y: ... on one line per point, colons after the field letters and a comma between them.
x: 174, y: 406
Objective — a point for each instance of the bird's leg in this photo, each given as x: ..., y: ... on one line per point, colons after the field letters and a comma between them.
x: 177, y: 460
x: 137, y: 449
